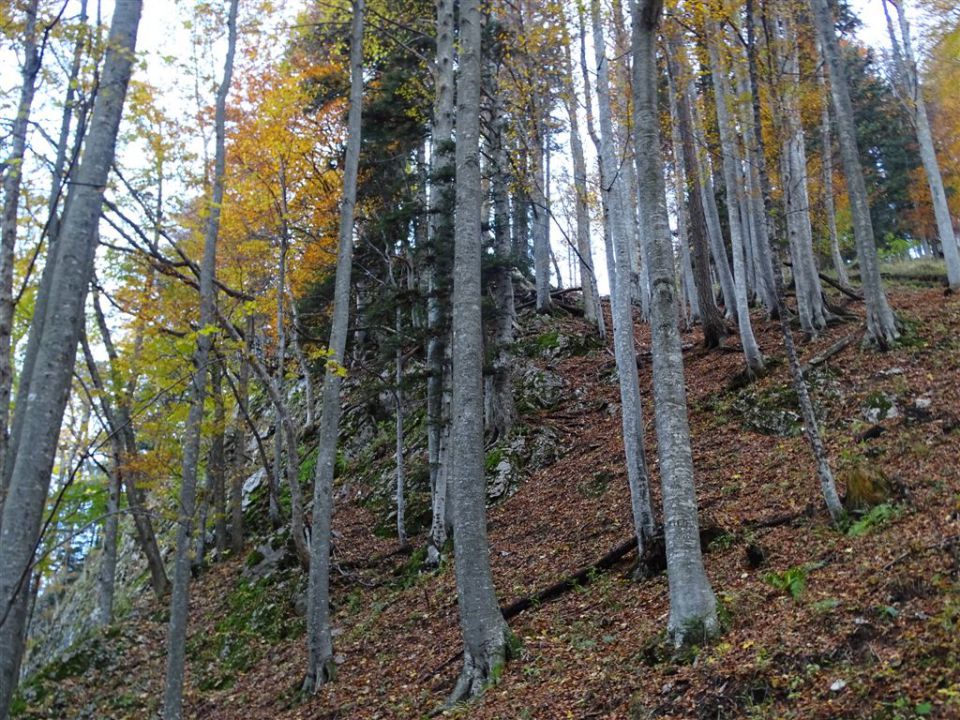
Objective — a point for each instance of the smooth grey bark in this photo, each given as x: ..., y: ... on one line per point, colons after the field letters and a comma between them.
x: 588, y: 280
x: 620, y: 101
x: 631, y: 412
x: 704, y: 173
x: 913, y: 99
x: 811, y: 429
x: 714, y: 329
x: 485, y: 633
x: 541, y: 216
x: 731, y: 178
x: 179, y: 597
x: 56, y: 334
x: 881, y: 323
x: 320, y: 666
x: 793, y: 153
x: 829, y: 209
x: 759, y: 273
x: 693, y: 614
x: 12, y: 183
x: 440, y: 240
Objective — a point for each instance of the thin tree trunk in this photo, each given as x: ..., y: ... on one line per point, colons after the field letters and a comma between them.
x: 320, y: 667
x: 826, y: 141
x: 12, y: 182
x: 918, y: 113
x: 106, y: 573
x: 624, y: 349
x: 714, y: 232
x: 216, y: 468
x: 714, y: 329
x: 881, y: 323
x: 693, y: 615
x: 588, y: 280
x: 827, y: 485
x: 810, y: 307
x: 55, y: 343
x: 541, y: 217
x: 124, y: 429
x: 179, y: 600
x: 728, y: 142
x: 240, y: 442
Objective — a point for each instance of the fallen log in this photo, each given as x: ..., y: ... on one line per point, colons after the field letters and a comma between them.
x: 838, y: 347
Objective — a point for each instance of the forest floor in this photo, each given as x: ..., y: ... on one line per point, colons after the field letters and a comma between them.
x: 818, y: 622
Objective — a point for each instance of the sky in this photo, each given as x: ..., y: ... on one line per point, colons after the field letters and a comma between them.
x: 163, y: 34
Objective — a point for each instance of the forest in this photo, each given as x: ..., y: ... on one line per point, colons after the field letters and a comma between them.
x: 502, y: 359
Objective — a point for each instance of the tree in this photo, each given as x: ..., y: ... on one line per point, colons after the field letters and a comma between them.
x: 55, y: 332
x: 439, y: 243
x: 320, y: 667
x: 881, y: 323
x: 12, y: 182
x: 485, y: 633
x: 913, y: 98
x: 179, y: 598
x: 731, y: 178
x: 623, y: 338
x: 693, y: 607
x: 714, y: 329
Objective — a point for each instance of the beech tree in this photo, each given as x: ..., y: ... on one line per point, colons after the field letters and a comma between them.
x: 320, y: 665
x: 623, y: 339
x: 912, y: 96
x: 179, y: 598
x: 693, y: 606
x: 485, y: 633
x: 54, y: 334
x: 881, y: 323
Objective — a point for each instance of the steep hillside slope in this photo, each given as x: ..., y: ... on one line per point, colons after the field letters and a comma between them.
x: 818, y: 623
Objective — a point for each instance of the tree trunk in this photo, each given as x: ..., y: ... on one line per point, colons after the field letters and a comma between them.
x: 216, y: 465
x: 485, y: 633
x: 810, y: 307
x: 918, y: 112
x: 240, y: 444
x: 705, y: 175
x: 826, y: 155
x: 502, y: 411
x: 714, y: 329
x: 624, y: 349
x: 55, y: 342
x: 731, y: 178
x: 106, y: 573
x: 320, y: 667
x: 693, y: 615
x: 881, y: 323
x: 588, y: 280
x: 179, y: 599
x: 541, y: 216
x: 126, y: 434
x: 12, y: 182
x: 810, y: 427
x: 440, y: 239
